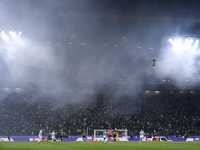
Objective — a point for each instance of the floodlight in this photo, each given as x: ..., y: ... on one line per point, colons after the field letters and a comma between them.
x: 4, y: 36
x: 13, y: 34
x: 196, y: 44
x: 188, y: 44
x: 170, y: 40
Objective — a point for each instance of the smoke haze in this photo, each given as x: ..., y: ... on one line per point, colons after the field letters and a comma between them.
x: 93, y: 43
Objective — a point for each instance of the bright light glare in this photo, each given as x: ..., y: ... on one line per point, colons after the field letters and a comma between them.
x: 13, y: 34
x: 4, y: 36
x: 177, y: 45
x: 188, y: 44
x: 184, y: 46
x: 170, y: 40
x: 196, y: 44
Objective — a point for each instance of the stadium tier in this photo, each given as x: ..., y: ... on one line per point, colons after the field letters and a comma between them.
x: 167, y: 113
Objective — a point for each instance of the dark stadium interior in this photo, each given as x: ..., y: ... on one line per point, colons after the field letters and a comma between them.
x: 87, y: 64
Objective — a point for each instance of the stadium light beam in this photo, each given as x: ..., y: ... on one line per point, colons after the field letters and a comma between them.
x: 177, y: 45
x: 170, y: 40
x: 4, y: 36
x: 13, y: 34
x: 196, y: 44
x: 188, y: 44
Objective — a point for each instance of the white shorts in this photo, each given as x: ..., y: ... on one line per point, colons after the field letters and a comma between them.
x: 53, y: 137
x: 40, y: 137
x: 104, y: 136
x: 141, y: 136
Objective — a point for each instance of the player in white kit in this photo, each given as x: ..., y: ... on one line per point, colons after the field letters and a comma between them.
x: 40, y: 136
x: 104, y: 134
x: 141, y: 135
x: 53, y: 136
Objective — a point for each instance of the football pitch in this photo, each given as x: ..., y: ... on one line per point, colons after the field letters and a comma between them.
x: 100, y: 146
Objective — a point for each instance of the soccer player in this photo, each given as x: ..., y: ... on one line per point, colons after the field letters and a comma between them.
x: 84, y: 135
x: 61, y: 135
x: 49, y: 135
x: 154, y: 135
x: 105, y: 133
x: 185, y: 136
x: 115, y: 132
x: 141, y: 135
x: 53, y: 136
x: 9, y: 136
x: 40, y: 136
x: 131, y: 137
x: 110, y: 136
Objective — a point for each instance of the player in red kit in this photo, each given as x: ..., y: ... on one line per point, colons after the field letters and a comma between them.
x: 109, y: 136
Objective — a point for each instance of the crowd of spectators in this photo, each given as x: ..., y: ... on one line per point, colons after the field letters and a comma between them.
x: 24, y: 113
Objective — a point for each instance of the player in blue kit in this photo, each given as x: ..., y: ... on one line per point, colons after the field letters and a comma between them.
x: 53, y: 136
x: 40, y: 136
x: 141, y: 135
x: 105, y: 133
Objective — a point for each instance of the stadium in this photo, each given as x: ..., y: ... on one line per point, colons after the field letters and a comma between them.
x: 98, y: 74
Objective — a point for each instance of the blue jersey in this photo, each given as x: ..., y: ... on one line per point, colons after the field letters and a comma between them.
x: 141, y: 132
x: 40, y: 133
x: 105, y: 133
x: 53, y: 134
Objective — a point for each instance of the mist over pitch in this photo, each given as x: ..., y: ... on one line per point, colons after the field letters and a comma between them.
x: 62, y: 42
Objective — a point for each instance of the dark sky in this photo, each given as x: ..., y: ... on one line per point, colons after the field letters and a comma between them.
x: 83, y: 15
x: 20, y: 11
x: 161, y: 8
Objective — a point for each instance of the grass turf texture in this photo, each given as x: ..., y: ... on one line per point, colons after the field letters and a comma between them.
x: 100, y: 146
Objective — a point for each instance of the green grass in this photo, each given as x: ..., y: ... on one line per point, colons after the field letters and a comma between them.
x: 100, y: 146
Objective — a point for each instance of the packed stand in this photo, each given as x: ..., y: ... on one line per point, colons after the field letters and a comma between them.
x: 168, y: 114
